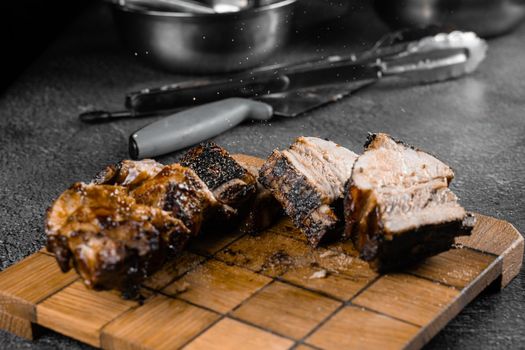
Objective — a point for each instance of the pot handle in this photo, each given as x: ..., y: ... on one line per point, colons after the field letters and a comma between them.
x: 184, y: 129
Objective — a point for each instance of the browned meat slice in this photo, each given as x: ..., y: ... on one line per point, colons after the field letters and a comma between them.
x: 129, y: 173
x: 263, y: 210
x: 308, y: 180
x: 178, y: 190
x: 110, y: 240
x: 399, y: 208
x: 230, y: 183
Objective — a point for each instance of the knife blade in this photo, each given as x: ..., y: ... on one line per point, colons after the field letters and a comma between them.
x: 197, y: 124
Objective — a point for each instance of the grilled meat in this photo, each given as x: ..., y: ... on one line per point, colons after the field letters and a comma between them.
x: 178, y: 190
x: 121, y: 227
x: 110, y: 240
x: 230, y: 183
x: 263, y: 210
x: 129, y: 173
x: 398, y: 207
x: 308, y: 180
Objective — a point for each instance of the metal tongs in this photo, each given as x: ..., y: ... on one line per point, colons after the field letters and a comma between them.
x: 189, y: 6
x: 421, y: 56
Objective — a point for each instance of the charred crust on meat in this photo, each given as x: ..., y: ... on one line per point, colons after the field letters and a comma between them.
x: 110, y: 240
x: 58, y: 246
x: 396, y: 215
x: 121, y: 227
x: 298, y: 189
x: 108, y: 175
x: 178, y: 202
x: 179, y: 191
x: 371, y: 137
x: 262, y: 210
x: 213, y: 164
x: 308, y: 181
x: 231, y: 184
x: 411, y: 247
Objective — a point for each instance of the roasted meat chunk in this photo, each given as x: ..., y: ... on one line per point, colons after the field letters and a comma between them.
x: 129, y: 173
x: 308, y: 180
x: 398, y: 207
x: 178, y: 190
x: 263, y: 210
x: 112, y: 241
x: 230, y: 183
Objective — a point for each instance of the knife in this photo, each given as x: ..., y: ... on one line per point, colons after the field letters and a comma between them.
x: 437, y: 58
x: 264, y: 80
x: 197, y: 124
x: 334, y: 69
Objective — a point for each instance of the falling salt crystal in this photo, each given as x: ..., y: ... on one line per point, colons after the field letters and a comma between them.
x: 318, y: 274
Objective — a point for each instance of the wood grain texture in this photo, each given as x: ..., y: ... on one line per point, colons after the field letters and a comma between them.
x: 500, y: 238
x: 336, y: 285
x: 331, y: 272
x: 409, y: 298
x: 232, y: 334
x: 162, y: 323
x: 286, y: 309
x: 217, y: 286
x: 467, y: 294
x: 268, y: 253
x: 25, y: 284
x: 81, y: 313
x: 16, y: 325
x: 209, y: 243
x: 456, y: 267
x: 356, y: 328
x: 266, y: 291
x: 173, y: 269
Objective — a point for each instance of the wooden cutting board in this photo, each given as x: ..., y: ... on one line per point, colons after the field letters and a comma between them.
x: 270, y: 291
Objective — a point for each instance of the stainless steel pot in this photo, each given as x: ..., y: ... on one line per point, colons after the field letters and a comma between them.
x: 205, y: 43
x: 485, y: 17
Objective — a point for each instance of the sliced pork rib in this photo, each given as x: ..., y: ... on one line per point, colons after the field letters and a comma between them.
x: 178, y: 190
x: 110, y: 240
x: 308, y: 180
x: 263, y: 210
x: 230, y: 183
x: 398, y: 207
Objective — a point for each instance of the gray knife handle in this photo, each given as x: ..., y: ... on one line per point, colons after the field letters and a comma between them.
x: 184, y: 129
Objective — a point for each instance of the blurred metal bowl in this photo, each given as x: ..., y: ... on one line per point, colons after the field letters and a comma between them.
x: 205, y: 43
x: 485, y: 17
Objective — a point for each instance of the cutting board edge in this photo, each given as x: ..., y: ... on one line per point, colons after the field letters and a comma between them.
x: 507, y: 265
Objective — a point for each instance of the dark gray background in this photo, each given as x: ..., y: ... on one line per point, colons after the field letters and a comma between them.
x: 476, y: 124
